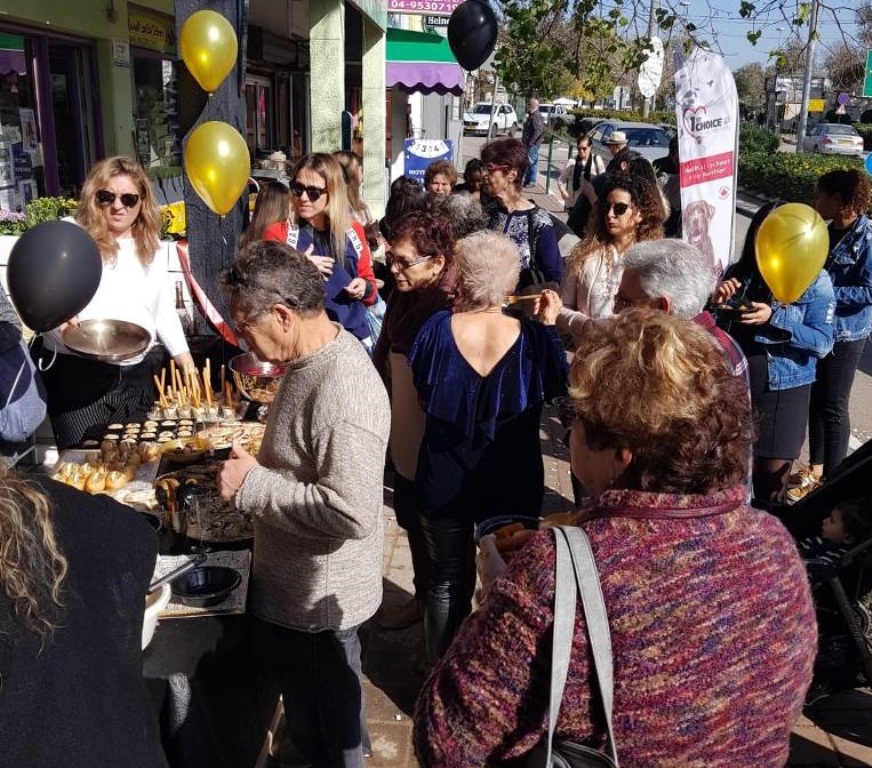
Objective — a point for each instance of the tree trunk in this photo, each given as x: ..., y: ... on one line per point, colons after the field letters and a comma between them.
x: 212, y: 239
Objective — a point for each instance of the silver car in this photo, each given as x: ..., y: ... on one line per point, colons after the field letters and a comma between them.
x: 834, y: 139
x: 649, y: 140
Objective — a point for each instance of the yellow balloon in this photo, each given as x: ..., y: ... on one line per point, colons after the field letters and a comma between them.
x: 208, y: 46
x: 218, y: 165
x: 791, y: 247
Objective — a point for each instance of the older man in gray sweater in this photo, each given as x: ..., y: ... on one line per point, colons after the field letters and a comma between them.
x: 315, y: 489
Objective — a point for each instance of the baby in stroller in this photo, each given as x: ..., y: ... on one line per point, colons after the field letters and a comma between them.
x: 835, y: 563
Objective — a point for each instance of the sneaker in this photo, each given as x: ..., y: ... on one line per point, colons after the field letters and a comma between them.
x: 802, y: 478
x: 801, y: 491
x: 406, y: 615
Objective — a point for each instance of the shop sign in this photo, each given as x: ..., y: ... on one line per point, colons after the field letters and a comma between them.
x: 151, y: 32
x: 816, y: 105
x: 432, y: 7
x: 121, y: 53
x: 436, y: 21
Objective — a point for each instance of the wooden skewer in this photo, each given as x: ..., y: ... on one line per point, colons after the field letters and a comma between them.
x: 163, y: 379
x: 515, y: 299
x: 223, y: 377
x: 160, y: 392
x: 172, y: 372
x: 207, y: 381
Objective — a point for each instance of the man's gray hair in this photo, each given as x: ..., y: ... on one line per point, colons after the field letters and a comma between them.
x: 675, y: 270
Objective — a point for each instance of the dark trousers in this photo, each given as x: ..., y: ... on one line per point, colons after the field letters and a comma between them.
x: 321, y: 682
x: 829, y: 424
x: 451, y: 550
x: 407, y: 508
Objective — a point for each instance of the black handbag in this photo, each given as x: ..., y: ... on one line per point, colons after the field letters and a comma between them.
x: 576, y: 573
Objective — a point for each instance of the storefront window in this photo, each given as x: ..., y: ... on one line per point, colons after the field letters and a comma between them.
x: 158, y: 143
x: 21, y: 164
x: 259, y: 115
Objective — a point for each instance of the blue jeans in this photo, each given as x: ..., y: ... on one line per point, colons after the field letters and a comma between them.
x: 320, y: 679
x: 533, y: 167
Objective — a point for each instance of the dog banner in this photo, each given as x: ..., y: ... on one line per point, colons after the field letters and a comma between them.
x: 707, y: 111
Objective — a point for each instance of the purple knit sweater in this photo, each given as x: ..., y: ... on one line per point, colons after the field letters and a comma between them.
x: 713, y: 635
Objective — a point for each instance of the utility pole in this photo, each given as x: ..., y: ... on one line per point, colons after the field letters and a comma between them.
x: 646, y: 103
x: 806, y: 82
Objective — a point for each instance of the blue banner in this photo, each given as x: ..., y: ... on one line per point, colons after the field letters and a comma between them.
x: 419, y: 153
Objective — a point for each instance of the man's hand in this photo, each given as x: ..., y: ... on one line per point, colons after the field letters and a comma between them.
x: 235, y: 470
x: 547, y: 307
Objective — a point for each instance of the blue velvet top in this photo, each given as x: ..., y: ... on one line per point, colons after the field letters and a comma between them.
x: 481, y: 454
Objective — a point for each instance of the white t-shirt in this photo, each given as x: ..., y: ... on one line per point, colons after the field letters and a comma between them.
x: 128, y: 291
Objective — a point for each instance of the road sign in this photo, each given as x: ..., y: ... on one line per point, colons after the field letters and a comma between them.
x: 868, y: 163
x: 867, y: 82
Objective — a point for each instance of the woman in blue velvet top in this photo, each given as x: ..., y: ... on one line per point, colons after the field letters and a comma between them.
x: 482, y: 377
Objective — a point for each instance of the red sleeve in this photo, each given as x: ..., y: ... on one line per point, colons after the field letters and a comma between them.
x: 277, y: 232
x: 364, y: 265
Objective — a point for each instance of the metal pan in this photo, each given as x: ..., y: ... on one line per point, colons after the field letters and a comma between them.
x: 110, y: 341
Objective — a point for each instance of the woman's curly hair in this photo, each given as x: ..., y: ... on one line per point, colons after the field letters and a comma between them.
x: 645, y: 197
x: 658, y: 386
x: 32, y: 568
x: 429, y: 231
x: 851, y: 186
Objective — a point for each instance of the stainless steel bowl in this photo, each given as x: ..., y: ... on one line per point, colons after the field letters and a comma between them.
x: 108, y: 340
x: 256, y: 380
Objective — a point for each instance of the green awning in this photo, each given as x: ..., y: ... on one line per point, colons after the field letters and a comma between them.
x: 421, y: 62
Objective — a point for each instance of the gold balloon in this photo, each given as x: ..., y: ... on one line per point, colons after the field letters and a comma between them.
x: 208, y: 46
x: 218, y: 165
x: 791, y: 247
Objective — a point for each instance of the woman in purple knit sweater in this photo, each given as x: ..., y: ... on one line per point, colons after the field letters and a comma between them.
x: 712, y: 623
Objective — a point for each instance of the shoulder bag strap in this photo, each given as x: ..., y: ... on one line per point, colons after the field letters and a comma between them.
x: 531, y: 241
x: 596, y: 620
x: 564, y: 627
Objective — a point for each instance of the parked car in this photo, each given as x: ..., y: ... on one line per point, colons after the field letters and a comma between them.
x: 478, y: 119
x: 555, y: 115
x: 649, y: 140
x: 834, y: 139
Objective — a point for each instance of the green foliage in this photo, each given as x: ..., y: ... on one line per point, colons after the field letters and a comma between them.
x: 787, y: 176
x: 12, y: 222
x: 753, y: 139
x: 865, y: 130
x: 49, y: 209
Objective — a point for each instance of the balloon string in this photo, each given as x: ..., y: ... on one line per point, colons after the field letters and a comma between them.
x: 42, y: 367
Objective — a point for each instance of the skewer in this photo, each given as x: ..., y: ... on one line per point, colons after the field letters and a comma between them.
x: 160, y: 392
x: 515, y: 299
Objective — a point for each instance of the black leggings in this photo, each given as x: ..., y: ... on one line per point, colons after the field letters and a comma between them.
x: 829, y: 424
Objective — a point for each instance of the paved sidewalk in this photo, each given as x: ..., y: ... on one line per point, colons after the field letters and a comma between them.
x: 392, y: 660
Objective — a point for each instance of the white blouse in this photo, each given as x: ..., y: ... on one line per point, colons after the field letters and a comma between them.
x: 589, y: 293
x: 142, y: 295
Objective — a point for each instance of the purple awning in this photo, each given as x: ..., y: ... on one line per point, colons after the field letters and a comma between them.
x: 425, y: 77
x: 12, y: 61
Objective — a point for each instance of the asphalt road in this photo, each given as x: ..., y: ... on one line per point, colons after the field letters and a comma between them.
x: 861, y: 394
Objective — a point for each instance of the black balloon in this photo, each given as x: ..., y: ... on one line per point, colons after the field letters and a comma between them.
x: 472, y: 33
x: 54, y: 270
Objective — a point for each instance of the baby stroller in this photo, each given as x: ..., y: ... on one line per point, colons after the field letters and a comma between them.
x: 839, y: 587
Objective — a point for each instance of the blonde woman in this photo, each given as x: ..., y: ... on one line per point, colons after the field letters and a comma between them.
x: 353, y: 171
x: 630, y: 212
x: 117, y: 208
x: 482, y: 378
x: 322, y: 228
x: 272, y: 206
x: 74, y: 570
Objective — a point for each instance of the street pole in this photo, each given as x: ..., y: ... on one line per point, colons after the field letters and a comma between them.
x: 646, y: 103
x: 806, y: 81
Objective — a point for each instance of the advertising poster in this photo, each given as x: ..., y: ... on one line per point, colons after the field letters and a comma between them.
x: 28, y: 130
x: 419, y: 153
x: 707, y: 109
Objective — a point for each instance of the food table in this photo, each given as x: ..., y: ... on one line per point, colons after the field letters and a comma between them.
x: 205, y: 668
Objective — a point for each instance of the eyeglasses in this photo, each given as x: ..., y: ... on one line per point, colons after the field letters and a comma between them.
x: 313, y: 193
x: 404, y: 265
x: 619, y: 208
x: 128, y: 199
x: 491, y: 167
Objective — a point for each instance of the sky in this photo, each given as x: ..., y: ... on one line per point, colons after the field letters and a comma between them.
x: 722, y: 25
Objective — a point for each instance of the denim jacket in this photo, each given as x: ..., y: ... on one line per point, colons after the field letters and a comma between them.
x: 850, y: 267
x: 798, y: 334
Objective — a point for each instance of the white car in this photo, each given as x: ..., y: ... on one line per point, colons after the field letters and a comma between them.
x: 834, y: 139
x: 555, y: 115
x: 478, y: 119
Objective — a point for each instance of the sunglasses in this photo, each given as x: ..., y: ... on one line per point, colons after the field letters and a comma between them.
x: 403, y: 265
x: 128, y: 199
x: 619, y: 208
x: 491, y: 167
x: 313, y: 193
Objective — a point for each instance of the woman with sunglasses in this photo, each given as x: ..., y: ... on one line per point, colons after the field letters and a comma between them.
x: 425, y: 280
x: 584, y: 167
x: 522, y: 221
x: 117, y: 208
x: 630, y: 213
x: 321, y: 226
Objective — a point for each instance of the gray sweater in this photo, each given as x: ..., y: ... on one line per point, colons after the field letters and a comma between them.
x: 317, y: 496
